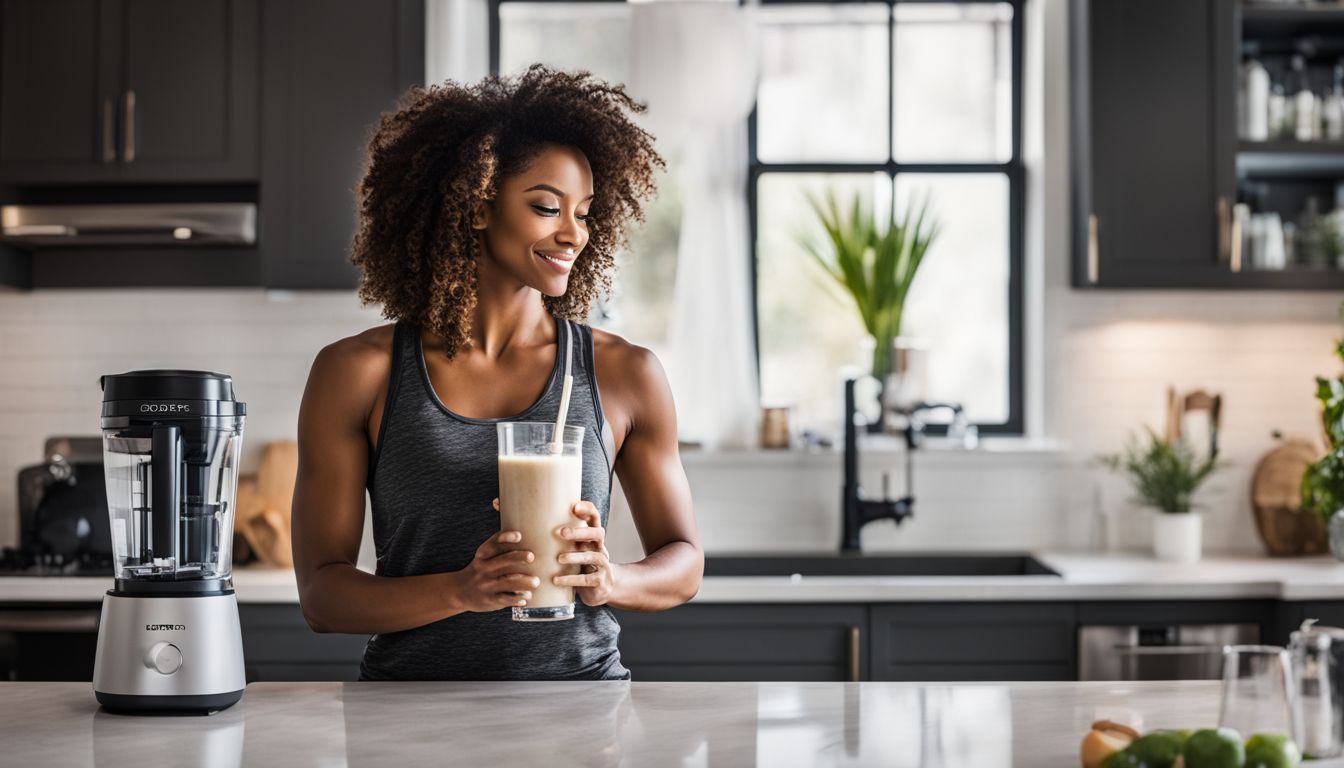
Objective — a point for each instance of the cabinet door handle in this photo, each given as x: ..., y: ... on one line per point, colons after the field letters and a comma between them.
x: 1234, y: 258
x: 1093, y: 249
x: 1224, y: 230
x: 128, y: 140
x: 855, y: 646
x: 109, y: 131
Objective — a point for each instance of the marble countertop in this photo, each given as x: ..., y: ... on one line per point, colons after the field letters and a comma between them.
x: 1083, y: 576
x: 601, y: 724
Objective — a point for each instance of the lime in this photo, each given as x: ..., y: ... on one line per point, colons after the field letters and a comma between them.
x: 1272, y: 750
x: 1209, y: 748
x: 1121, y: 759
x: 1158, y: 749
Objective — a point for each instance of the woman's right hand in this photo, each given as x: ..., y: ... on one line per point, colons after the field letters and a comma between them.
x: 494, y: 578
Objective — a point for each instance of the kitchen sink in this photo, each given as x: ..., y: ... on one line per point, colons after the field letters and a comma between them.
x: 834, y: 564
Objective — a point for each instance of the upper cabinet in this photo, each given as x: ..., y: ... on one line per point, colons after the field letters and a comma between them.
x: 1169, y: 190
x: 117, y: 91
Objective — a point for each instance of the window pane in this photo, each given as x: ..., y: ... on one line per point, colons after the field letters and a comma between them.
x: 953, y: 82
x: 591, y: 36
x: 824, y: 81
x: 640, y: 307
x: 595, y: 37
x: 808, y: 326
x: 958, y: 303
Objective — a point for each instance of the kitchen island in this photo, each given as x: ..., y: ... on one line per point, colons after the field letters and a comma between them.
x: 605, y: 724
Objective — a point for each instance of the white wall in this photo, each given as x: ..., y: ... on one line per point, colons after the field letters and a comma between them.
x: 1100, y: 365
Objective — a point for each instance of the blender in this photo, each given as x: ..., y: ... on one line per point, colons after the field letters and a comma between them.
x: 169, y: 637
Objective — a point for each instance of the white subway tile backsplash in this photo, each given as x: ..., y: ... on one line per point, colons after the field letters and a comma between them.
x: 1109, y: 358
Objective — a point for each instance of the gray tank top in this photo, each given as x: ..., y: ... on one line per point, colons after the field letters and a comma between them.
x: 432, y: 478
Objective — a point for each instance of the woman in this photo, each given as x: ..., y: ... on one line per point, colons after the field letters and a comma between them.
x: 488, y: 219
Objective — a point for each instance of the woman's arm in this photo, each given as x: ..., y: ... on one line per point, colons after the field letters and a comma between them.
x: 649, y: 467
x: 328, y: 515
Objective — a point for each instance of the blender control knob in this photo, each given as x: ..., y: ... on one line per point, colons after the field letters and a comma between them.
x: 164, y: 658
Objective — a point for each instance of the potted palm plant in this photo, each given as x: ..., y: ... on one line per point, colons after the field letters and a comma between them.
x: 875, y: 266
x: 1165, y: 475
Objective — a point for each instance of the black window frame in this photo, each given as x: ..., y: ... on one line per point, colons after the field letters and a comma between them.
x: 1013, y: 169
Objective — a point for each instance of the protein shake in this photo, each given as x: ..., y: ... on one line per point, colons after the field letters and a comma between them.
x: 539, y: 483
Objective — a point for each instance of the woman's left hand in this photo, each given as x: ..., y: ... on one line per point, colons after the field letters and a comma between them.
x: 597, y: 577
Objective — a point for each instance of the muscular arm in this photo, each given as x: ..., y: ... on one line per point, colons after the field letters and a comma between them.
x: 655, y: 486
x: 328, y: 511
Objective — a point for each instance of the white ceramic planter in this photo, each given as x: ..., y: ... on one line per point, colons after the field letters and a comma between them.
x: 1177, y: 537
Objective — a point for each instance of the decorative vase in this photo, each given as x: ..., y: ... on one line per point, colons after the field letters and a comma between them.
x: 1177, y: 536
x: 1337, y: 535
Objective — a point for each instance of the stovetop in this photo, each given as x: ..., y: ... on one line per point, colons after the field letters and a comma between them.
x: 26, y: 562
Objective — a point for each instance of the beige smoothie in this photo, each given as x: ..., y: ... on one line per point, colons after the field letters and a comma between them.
x: 536, y: 495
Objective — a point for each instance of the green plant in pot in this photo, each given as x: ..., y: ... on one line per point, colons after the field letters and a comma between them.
x: 1165, y: 475
x: 1323, y: 482
x: 875, y: 266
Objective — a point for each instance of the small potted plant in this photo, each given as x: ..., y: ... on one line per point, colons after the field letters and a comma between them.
x: 1166, y: 474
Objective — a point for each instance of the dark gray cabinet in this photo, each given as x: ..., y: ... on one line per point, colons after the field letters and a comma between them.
x: 973, y: 641
x: 1157, y: 165
x: 1154, y: 142
x: 747, y: 642
x: 117, y: 91
x: 279, y: 645
x: 328, y: 76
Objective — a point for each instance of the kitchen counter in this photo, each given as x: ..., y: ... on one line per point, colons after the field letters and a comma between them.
x: 604, y: 724
x: 1083, y: 576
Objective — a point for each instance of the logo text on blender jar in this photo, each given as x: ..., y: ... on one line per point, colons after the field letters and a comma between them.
x: 165, y: 627
x: 164, y: 407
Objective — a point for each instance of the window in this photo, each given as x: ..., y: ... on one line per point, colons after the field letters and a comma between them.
x: 877, y: 99
x: 594, y: 36
x: 917, y: 100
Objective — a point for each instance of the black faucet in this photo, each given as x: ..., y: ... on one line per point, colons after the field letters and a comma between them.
x: 858, y: 511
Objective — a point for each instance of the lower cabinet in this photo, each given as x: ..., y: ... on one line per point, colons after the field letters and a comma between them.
x: 973, y: 641
x: 278, y: 645
x: 747, y: 642
x: 918, y: 642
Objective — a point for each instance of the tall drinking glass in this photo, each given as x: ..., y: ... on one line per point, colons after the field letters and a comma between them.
x: 539, y: 483
x: 1258, y: 691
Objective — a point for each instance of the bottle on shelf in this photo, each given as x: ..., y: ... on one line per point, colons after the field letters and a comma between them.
x: 1255, y: 101
x: 1280, y: 119
x: 1334, y: 106
x: 1316, y: 243
x: 1304, y: 103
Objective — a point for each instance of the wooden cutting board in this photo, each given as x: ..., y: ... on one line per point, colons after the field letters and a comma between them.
x: 264, y: 502
x: 1276, y: 497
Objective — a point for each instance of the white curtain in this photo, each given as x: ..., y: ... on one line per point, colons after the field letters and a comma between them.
x: 696, y: 65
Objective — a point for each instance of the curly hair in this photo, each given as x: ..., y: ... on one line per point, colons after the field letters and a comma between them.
x: 446, y: 148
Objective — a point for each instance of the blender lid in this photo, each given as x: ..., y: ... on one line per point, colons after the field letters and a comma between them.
x: 169, y: 393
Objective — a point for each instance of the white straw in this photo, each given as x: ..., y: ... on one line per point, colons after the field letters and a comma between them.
x: 558, y: 437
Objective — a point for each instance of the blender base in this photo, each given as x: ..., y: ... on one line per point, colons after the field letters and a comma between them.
x: 208, y: 704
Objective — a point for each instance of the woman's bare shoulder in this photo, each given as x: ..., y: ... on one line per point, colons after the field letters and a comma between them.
x: 356, y: 367
x: 627, y: 370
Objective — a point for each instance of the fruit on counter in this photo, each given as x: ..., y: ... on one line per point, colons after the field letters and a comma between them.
x: 1214, y: 748
x: 1158, y: 749
x: 1272, y: 750
x: 1105, y: 739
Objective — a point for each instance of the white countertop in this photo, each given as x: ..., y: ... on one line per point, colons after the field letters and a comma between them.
x: 1083, y: 576
x: 602, y: 724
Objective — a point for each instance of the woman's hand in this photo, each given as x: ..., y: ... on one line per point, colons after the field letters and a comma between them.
x: 598, y: 577
x: 494, y: 578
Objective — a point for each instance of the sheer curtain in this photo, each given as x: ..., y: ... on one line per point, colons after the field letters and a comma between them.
x: 696, y: 65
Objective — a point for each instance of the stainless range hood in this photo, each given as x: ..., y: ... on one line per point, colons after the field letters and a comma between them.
x: 178, y: 224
